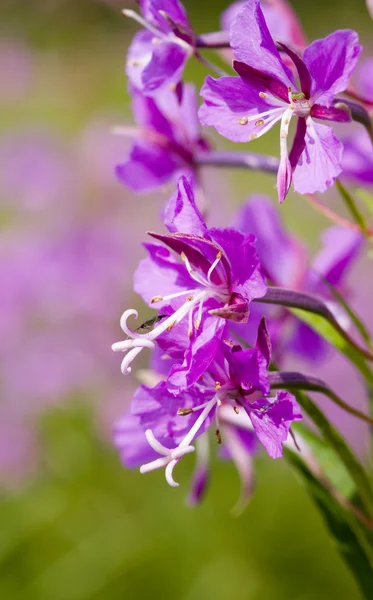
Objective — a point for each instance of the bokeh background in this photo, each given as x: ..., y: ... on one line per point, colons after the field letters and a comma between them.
x: 75, y: 525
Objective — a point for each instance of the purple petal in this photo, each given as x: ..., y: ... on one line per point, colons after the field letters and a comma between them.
x: 280, y: 18
x: 139, y: 54
x: 129, y: 438
x: 341, y: 247
x: 175, y: 11
x: 303, y: 72
x: 165, y: 67
x: 248, y: 369
x: 201, y: 474
x: 245, y: 270
x: 358, y: 158
x: 282, y: 257
x: 254, y: 77
x: 252, y: 43
x: 284, y: 178
x: 263, y: 342
x: 299, y: 142
x: 365, y: 78
x: 320, y: 162
x: 198, y: 356
x: 149, y: 166
x: 240, y: 446
x: 306, y: 344
x: 182, y: 214
x: 272, y: 418
x: 330, y: 114
x: 149, y: 114
x: 201, y: 253
x: 229, y: 101
x: 331, y: 62
x: 157, y: 410
x: 160, y: 274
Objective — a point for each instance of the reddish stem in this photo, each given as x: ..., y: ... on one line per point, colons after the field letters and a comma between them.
x: 333, y: 216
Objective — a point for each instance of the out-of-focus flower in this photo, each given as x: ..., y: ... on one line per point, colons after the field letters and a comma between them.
x: 245, y: 108
x: 357, y: 160
x: 217, y: 279
x: 16, y: 69
x: 285, y: 263
x: 167, y: 139
x: 158, y: 53
x: 36, y: 171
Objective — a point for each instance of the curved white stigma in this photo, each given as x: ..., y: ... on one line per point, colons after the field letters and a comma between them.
x: 170, y: 457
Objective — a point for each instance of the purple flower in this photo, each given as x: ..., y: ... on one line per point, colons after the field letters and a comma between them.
x: 244, y: 108
x: 237, y: 380
x: 167, y: 138
x: 286, y: 263
x: 218, y: 276
x: 158, y: 53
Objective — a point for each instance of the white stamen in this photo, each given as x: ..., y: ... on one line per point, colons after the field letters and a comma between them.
x: 213, y: 266
x: 265, y: 114
x: 136, y: 17
x: 269, y: 124
x: 172, y: 457
x: 178, y: 294
x: 201, y: 419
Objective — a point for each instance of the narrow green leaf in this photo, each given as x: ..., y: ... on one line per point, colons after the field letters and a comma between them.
x: 353, y: 208
x: 332, y: 436
x: 350, y: 536
x: 360, y: 326
x: 366, y: 197
x: 331, y: 335
x: 330, y: 464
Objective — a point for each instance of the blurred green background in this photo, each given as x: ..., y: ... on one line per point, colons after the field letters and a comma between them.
x: 79, y: 526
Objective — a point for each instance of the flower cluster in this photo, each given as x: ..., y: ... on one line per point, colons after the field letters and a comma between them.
x: 222, y: 293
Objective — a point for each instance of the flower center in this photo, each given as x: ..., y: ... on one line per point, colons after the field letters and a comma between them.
x: 299, y: 104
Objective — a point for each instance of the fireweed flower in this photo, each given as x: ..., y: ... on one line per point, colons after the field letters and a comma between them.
x: 236, y: 380
x: 218, y: 276
x: 246, y: 107
x: 285, y: 263
x: 167, y: 138
x: 158, y: 53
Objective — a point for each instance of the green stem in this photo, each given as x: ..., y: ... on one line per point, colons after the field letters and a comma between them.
x: 354, y: 210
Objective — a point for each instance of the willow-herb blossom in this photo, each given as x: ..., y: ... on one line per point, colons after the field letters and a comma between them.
x: 197, y: 277
x: 244, y: 108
